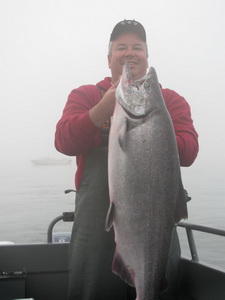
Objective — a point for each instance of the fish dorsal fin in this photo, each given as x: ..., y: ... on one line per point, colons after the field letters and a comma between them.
x: 119, y: 268
x: 109, y: 217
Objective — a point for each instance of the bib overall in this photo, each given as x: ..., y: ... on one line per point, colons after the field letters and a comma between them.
x: 92, y: 248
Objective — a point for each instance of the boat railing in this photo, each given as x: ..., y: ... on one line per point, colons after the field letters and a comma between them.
x: 191, y: 241
x: 65, y: 217
x: 189, y: 227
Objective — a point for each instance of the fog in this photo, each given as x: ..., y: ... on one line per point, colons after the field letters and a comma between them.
x: 50, y: 47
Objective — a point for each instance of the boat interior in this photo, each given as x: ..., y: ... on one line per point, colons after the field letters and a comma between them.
x: 40, y: 271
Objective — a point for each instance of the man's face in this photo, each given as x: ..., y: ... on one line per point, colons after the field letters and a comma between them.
x: 128, y: 48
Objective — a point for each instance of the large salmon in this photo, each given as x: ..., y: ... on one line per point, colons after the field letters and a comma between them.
x: 146, y: 191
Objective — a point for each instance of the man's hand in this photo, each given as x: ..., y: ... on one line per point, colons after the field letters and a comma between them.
x: 102, y: 111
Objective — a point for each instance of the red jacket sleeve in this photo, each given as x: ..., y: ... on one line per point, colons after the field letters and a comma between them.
x: 75, y: 132
x: 186, y: 135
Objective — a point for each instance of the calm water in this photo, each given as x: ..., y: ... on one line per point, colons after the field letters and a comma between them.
x: 31, y: 196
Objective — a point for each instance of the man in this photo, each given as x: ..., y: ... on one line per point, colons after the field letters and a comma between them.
x: 82, y: 131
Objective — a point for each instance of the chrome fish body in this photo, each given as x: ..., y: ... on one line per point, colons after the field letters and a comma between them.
x: 146, y: 192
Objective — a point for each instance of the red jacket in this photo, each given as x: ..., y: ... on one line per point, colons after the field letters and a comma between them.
x: 76, y: 135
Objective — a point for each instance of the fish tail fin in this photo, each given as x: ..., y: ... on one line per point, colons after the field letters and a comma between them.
x: 181, y: 205
x: 109, y: 217
x: 119, y: 268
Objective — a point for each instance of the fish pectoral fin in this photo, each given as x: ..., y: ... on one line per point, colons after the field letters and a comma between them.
x: 109, y: 217
x: 123, y: 135
x: 124, y: 272
x: 181, y: 205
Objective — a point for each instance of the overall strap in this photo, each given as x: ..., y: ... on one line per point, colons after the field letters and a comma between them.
x: 106, y: 126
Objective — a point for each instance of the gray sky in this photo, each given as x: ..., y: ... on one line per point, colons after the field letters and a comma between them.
x: 49, y: 47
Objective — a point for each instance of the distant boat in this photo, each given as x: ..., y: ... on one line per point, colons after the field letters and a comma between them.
x: 51, y: 161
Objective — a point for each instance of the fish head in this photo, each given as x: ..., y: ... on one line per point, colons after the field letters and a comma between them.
x: 135, y: 96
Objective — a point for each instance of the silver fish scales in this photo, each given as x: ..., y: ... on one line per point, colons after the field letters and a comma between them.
x: 145, y: 186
